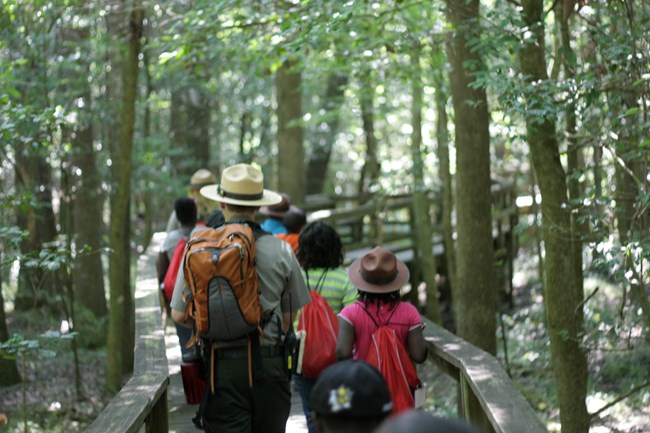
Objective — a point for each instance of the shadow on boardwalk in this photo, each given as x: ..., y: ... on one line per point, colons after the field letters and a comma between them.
x: 181, y: 413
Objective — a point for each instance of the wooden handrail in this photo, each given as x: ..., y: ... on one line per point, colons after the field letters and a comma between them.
x: 488, y: 398
x: 143, y: 399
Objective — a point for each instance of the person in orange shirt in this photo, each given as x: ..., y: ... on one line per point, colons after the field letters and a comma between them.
x: 294, y: 220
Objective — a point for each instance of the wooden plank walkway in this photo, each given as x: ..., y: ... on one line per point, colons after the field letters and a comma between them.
x: 181, y: 413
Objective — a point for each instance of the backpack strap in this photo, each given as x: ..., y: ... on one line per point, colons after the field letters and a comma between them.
x: 373, y: 319
x: 319, y: 283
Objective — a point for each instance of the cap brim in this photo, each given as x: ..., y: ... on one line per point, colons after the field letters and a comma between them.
x: 268, y: 197
x: 357, y: 280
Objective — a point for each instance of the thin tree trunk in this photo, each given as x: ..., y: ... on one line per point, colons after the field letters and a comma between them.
x: 291, y: 150
x: 475, y: 305
x: 120, y: 332
x: 575, y: 161
x: 563, y: 292
x: 370, y: 170
x: 446, y: 182
x: 325, y: 134
x: 34, y: 175
x: 9, y: 374
x: 421, y: 202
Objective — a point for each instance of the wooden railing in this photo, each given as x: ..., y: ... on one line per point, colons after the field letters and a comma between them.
x: 143, y: 399
x: 488, y: 398
x: 388, y: 221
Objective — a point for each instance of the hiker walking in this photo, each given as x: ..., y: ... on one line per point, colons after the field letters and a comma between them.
x: 204, y: 207
x: 186, y: 213
x: 379, y: 322
x: 249, y: 389
x: 320, y: 253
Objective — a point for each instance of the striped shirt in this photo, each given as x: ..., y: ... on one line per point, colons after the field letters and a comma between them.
x: 333, y: 285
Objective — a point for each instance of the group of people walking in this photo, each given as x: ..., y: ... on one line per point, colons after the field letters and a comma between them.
x: 350, y: 395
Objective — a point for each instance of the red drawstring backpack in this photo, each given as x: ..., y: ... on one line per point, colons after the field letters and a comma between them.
x: 172, y: 270
x: 388, y: 355
x: 321, y: 328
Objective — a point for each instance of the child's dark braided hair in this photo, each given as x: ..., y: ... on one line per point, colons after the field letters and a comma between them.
x: 319, y: 246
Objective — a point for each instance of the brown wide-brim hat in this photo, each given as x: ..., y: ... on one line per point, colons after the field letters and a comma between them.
x: 378, y: 271
x: 243, y: 185
x: 279, y: 209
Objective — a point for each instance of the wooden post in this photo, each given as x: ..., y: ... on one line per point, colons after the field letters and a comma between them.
x: 157, y: 421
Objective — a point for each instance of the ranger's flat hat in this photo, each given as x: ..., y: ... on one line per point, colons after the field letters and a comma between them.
x: 243, y: 185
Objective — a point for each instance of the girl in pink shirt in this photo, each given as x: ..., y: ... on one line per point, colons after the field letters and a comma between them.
x: 379, y: 276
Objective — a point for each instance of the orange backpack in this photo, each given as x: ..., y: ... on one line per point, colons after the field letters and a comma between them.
x: 219, y: 268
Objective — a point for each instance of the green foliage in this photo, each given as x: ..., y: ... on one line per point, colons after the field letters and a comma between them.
x: 91, y: 329
x: 19, y: 347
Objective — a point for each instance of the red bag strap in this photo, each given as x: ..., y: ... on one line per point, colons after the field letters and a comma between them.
x: 319, y: 283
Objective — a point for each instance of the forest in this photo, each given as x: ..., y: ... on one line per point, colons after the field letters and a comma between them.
x: 108, y: 107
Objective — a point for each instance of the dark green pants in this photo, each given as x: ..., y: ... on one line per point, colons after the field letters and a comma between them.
x: 237, y: 408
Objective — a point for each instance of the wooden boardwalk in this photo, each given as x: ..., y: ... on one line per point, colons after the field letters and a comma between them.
x: 181, y: 413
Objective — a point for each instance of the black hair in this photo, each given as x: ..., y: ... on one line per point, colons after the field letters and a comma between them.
x: 319, y: 246
x: 186, y: 212
x: 294, y: 220
x: 379, y: 298
x: 215, y: 219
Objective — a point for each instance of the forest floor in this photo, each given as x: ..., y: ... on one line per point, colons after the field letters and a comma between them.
x: 619, y: 361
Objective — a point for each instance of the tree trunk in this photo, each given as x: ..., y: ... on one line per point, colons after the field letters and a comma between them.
x: 575, y: 161
x: 291, y: 150
x: 563, y: 292
x: 421, y: 203
x: 190, y: 115
x: 446, y: 182
x: 120, y: 332
x: 9, y: 374
x: 371, y: 167
x: 87, y: 199
x: 325, y: 134
x: 88, y: 275
x: 34, y: 175
x: 475, y: 306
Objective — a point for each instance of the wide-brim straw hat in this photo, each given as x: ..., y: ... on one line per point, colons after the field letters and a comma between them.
x: 378, y: 271
x: 243, y: 185
x: 202, y: 177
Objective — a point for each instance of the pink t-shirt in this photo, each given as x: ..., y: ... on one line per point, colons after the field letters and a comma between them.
x: 403, y: 317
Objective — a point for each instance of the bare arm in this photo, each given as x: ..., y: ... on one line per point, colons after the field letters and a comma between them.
x: 346, y: 340
x: 417, y: 345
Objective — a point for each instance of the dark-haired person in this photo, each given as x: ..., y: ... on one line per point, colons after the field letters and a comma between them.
x: 186, y: 213
x: 350, y: 396
x: 274, y: 214
x: 294, y: 220
x: 415, y: 421
x: 379, y: 276
x: 320, y: 254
